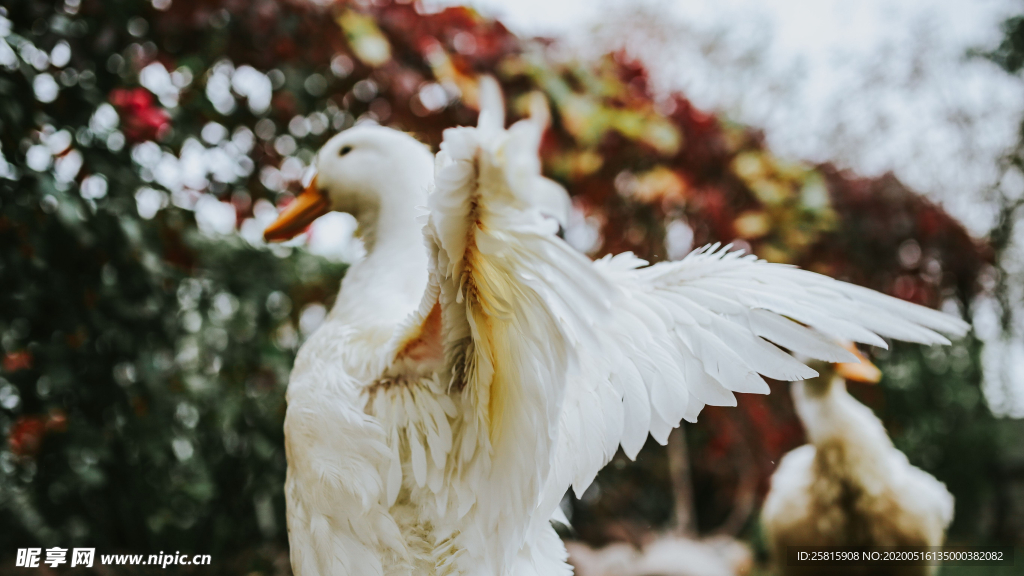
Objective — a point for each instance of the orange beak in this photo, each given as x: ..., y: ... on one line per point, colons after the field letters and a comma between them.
x: 311, y: 204
x: 864, y: 372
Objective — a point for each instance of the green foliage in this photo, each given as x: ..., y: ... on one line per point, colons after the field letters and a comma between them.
x: 144, y: 361
x: 936, y: 414
x: 170, y: 381
x: 1010, y: 53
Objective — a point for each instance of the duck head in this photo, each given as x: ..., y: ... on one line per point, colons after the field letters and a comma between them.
x: 836, y: 376
x: 371, y: 172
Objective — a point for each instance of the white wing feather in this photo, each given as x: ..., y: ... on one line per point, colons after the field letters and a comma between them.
x: 702, y: 328
x: 565, y: 360
x: 516, y: 306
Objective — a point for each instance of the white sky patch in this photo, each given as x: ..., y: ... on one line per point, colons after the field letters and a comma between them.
x: 214, y: 217
x: 149, y: 201
x: 264, y: 214
x: 678, y: 239
x: 157, y: 80
x: 582, y: 232
x: 311, y: 318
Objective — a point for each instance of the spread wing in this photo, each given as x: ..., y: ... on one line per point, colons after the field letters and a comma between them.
x: 512, y: 305
x: 692, y: 333
x: 558, y: 360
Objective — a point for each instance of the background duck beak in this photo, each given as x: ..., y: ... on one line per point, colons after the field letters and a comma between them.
x: 311, y: 204
x: 864, y: 372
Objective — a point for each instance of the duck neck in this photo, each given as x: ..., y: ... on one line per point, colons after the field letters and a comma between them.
x: 381, y: 290
x: 821, y: 403
x: 850, y: 438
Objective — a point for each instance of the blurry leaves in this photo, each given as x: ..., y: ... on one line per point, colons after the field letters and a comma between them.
x: 1010, y: 52
x: 367, y: 41
x: 934, y: 407
x: 998, y: 315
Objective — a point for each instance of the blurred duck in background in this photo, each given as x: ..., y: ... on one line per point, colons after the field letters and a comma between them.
x: 850, y: 486
x: 664, y: 555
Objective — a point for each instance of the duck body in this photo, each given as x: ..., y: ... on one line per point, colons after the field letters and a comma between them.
x: 345, y: 429
x: 343, y: 438
x: 850, y: 486
x: 475, y: 367
x: 370, y: 489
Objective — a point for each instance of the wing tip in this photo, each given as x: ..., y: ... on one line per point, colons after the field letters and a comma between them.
x: 492, y: 105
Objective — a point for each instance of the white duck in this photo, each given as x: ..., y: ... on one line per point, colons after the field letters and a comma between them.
x: 850, y: 486
x: 457, y: 389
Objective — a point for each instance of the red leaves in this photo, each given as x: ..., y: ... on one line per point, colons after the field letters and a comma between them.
x: 27, y: 433
x: 18, y: 360
x: 57, y: 421
x: 141, y: 119
x: 879, y: 215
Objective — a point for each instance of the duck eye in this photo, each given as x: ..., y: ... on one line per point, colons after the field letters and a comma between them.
x: 344, y: 150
